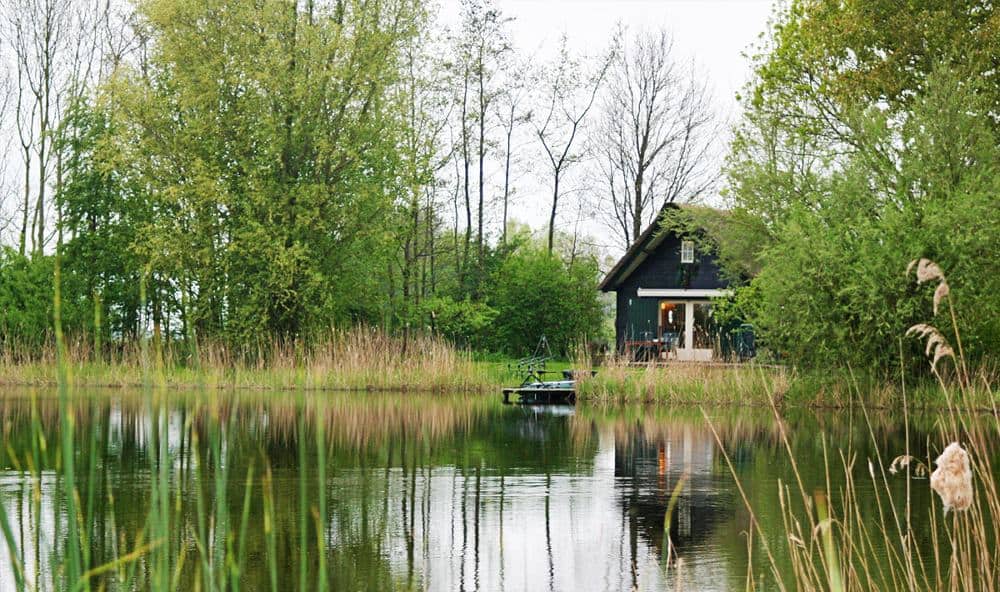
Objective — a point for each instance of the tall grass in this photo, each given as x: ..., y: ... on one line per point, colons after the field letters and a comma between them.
x: 617, y: 381
x: 837, y: 540
x: 360, y: 358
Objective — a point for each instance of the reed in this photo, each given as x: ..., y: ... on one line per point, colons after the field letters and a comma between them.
x: 679, y: 383
x: 836, y: 541
x: 360, y: 358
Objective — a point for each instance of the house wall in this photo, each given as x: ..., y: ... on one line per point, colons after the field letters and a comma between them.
x: 663, y: 269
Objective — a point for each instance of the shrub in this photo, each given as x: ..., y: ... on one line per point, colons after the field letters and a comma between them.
x: 537, y: 294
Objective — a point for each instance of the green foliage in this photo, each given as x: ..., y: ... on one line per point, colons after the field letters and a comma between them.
x: 464, y: 322
x: 25, y: 299
x: 275, y: 198
x: 272, y: 178
x: 101, y: 216
x: 535, y: 294
x: 853, y: 160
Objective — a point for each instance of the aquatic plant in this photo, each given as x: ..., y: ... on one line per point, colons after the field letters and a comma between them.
x: 952, y: 480
x: 836, y: 541
x: 359, y: 358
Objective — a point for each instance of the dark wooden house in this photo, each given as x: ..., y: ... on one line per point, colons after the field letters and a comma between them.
x: 664, y: 285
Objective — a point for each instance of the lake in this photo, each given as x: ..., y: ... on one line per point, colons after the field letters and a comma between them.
x: 421, y: 491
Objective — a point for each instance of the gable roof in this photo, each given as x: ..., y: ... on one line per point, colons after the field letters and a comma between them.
x: 647, y: 243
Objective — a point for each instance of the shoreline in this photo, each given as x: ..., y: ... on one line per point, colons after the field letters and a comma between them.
x: 714, y: 385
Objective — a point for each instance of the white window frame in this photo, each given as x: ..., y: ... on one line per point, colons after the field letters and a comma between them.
x: 687, y: 251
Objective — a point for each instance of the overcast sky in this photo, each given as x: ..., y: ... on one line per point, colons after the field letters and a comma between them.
x: 714, y: 33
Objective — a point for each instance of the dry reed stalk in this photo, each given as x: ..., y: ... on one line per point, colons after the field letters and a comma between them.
x: 361, y: 358
x: 845, y: 549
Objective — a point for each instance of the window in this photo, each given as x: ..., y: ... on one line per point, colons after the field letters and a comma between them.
x: 687, y: 251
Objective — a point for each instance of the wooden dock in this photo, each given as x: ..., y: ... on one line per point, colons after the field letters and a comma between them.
x: 533, y: 395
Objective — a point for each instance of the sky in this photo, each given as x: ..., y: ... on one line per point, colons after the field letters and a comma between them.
x: 715, y: 34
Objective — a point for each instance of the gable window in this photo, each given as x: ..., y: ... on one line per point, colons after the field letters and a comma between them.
x: 687, y: 251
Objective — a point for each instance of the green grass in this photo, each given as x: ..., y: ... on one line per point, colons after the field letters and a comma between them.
x: 680, y: 383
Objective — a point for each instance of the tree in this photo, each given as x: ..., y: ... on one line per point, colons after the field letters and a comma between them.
x: 512, y: 113
x: 869, y: 132
x: 568, y: 94
x: 25, y: 301
x: 657, y: 131
x: 6, y: 103
x: 102, y: 215
x: 535, y: 293
x: 481, y: 48
x: 273, y: 179
x: 425, y: 105
x: 39, y: 30
x: 54, y: 44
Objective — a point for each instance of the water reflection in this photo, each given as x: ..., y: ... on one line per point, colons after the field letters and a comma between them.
x: 429, y: 492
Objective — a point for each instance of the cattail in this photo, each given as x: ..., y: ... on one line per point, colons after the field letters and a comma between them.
x: 952, y: 479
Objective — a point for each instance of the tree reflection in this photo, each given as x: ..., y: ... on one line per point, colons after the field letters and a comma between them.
x: 381, y: 492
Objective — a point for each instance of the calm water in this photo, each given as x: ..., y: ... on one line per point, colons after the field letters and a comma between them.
x: 423, y: 492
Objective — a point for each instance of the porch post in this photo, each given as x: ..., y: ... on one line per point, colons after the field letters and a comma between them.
x: 689, y: 325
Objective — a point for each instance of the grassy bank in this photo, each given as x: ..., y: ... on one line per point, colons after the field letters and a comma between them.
x: 718, y: 384
x: 679, y: 383
x: 358, y: 359
x: 364, y: 359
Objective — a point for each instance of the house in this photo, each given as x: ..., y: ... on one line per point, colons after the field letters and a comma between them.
x: 664, y: 285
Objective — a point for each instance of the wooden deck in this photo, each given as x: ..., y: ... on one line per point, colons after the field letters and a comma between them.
x: 698, y: 364
x: 528, y: 395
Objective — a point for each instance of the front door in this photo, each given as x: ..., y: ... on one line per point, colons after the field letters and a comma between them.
x: 673, y: 318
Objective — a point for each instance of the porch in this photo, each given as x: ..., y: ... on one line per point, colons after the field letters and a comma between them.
x: 671, y: 325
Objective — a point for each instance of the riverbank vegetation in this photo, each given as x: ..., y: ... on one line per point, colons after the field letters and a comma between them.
x: 833, y: 543
x: 869, y: 139
x: 345, y: 176
x: 361, y: 359
x: 684, y: 383
x: 362, y: 171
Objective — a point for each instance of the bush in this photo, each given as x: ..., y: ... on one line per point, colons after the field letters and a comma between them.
x: 25, y: 299
x: 831, y: 288
x: 535, y: 294
x: 464, y: 322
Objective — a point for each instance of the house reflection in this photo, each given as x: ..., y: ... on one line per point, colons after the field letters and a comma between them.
x: 648, y: 470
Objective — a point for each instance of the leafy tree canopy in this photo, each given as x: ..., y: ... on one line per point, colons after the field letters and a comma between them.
x: 870, y: 139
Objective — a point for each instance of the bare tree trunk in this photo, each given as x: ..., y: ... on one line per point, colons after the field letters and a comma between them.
x: 25, y: 131
x: 465, y: 177
x: 637, y: 212
x: 506, y: 183
x: 552, y: 216
x: 27, y: 200
x: 454, y: 203
x: 482, y: 156
x: 431, y: 247
x: 39, y: 223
